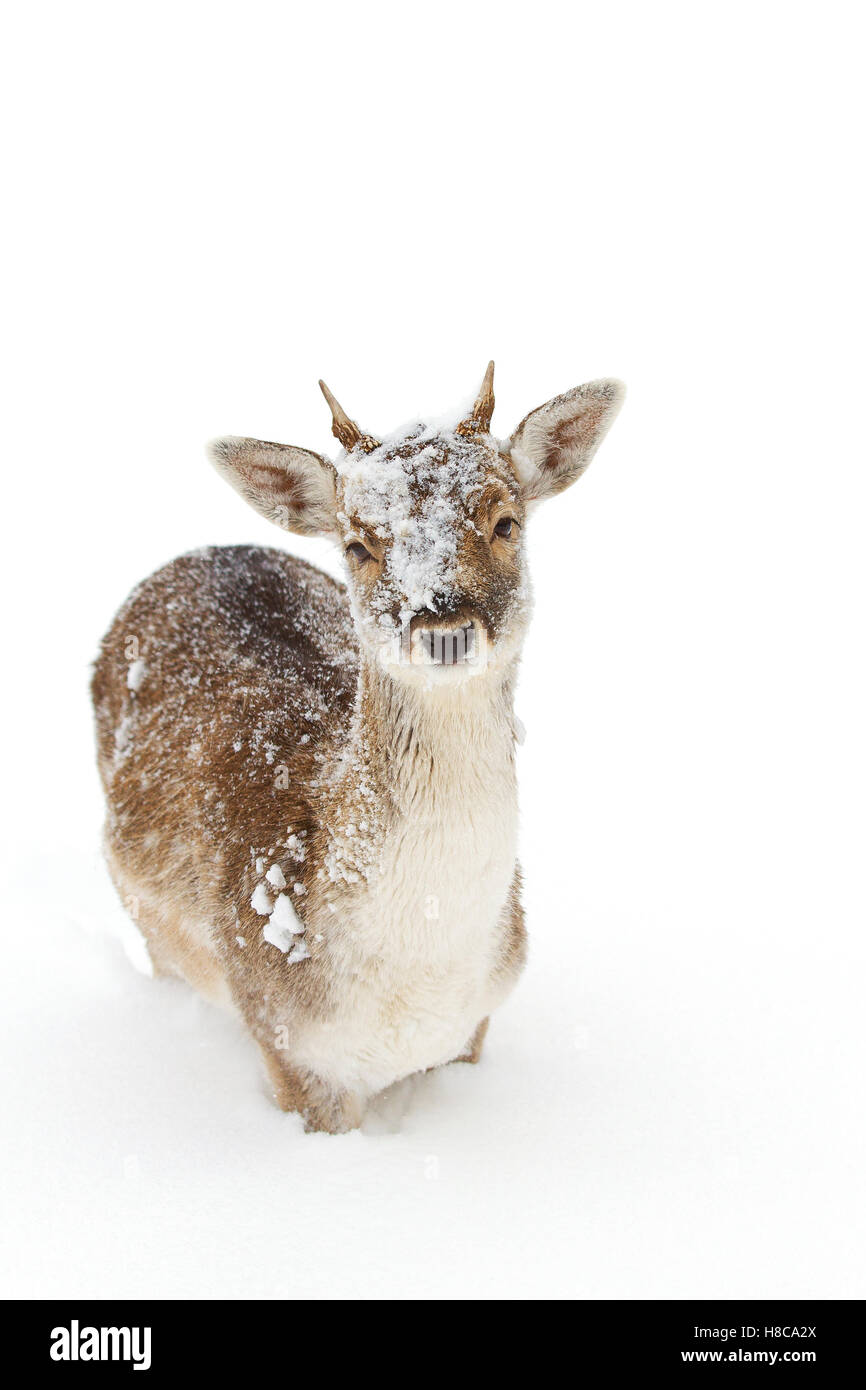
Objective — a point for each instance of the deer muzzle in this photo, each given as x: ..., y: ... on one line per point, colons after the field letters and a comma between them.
x: 449, y: 646
x: 457, y: 640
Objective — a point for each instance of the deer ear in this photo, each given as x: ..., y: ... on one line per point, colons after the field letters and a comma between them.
x: 555, y: 443
x: 292, y: 487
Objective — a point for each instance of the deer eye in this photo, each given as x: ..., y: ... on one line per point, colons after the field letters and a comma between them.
x: 358, y: 552
x: 505, y: 527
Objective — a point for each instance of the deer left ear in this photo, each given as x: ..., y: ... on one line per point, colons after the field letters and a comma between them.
x: 554, y: 444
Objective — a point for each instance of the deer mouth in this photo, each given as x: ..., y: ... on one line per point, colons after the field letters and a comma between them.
x: 456, y: 646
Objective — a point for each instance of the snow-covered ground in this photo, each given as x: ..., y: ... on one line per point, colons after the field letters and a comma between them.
x: 650, y: 1119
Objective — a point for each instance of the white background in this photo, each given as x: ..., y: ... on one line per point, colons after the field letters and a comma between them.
x: 208, y: 207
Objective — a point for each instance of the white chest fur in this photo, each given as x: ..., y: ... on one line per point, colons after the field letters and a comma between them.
x: 414, y: 951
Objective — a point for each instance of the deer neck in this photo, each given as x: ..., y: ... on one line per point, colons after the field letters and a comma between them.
x: 434, y: 765
x: 428, y: 748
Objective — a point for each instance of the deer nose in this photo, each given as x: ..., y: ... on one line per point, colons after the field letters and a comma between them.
x: 448, y: 646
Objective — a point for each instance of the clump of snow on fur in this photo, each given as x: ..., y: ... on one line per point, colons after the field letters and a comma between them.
x: 275, y: 936
x: 260, y: 901
x: 135, y: 674
x: 276, y: 877
x: 296, y: 847
x: 283, y: 926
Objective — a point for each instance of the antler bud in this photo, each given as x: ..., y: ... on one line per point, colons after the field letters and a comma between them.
x: 478, y: 420
x: 345, y: 429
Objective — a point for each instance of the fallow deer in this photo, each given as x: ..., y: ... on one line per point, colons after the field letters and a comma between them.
x: 312, y: 807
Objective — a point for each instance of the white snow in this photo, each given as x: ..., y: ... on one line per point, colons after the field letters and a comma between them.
x: 277, y: 935
x: 134, y: 944
x: 286, y: 916
x: 283, y: 925
x: 135, y: 674
x: 260, y: 901
x: 276, y: 876
x: 295, y: 846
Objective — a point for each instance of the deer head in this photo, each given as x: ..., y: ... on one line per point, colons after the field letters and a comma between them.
x: 431, y: 521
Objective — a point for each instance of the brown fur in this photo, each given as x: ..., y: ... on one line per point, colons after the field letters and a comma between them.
x: 222, y: 633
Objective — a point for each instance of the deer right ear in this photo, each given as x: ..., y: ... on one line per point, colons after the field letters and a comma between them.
x: 555, y: 443
x: 292, y: 487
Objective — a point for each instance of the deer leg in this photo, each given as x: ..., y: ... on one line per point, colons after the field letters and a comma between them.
x: 472, y: 1051
x: 323, y: 1109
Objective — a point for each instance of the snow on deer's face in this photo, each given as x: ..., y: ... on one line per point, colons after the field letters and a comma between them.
x: 432, y: 525
x: 431, y: 521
